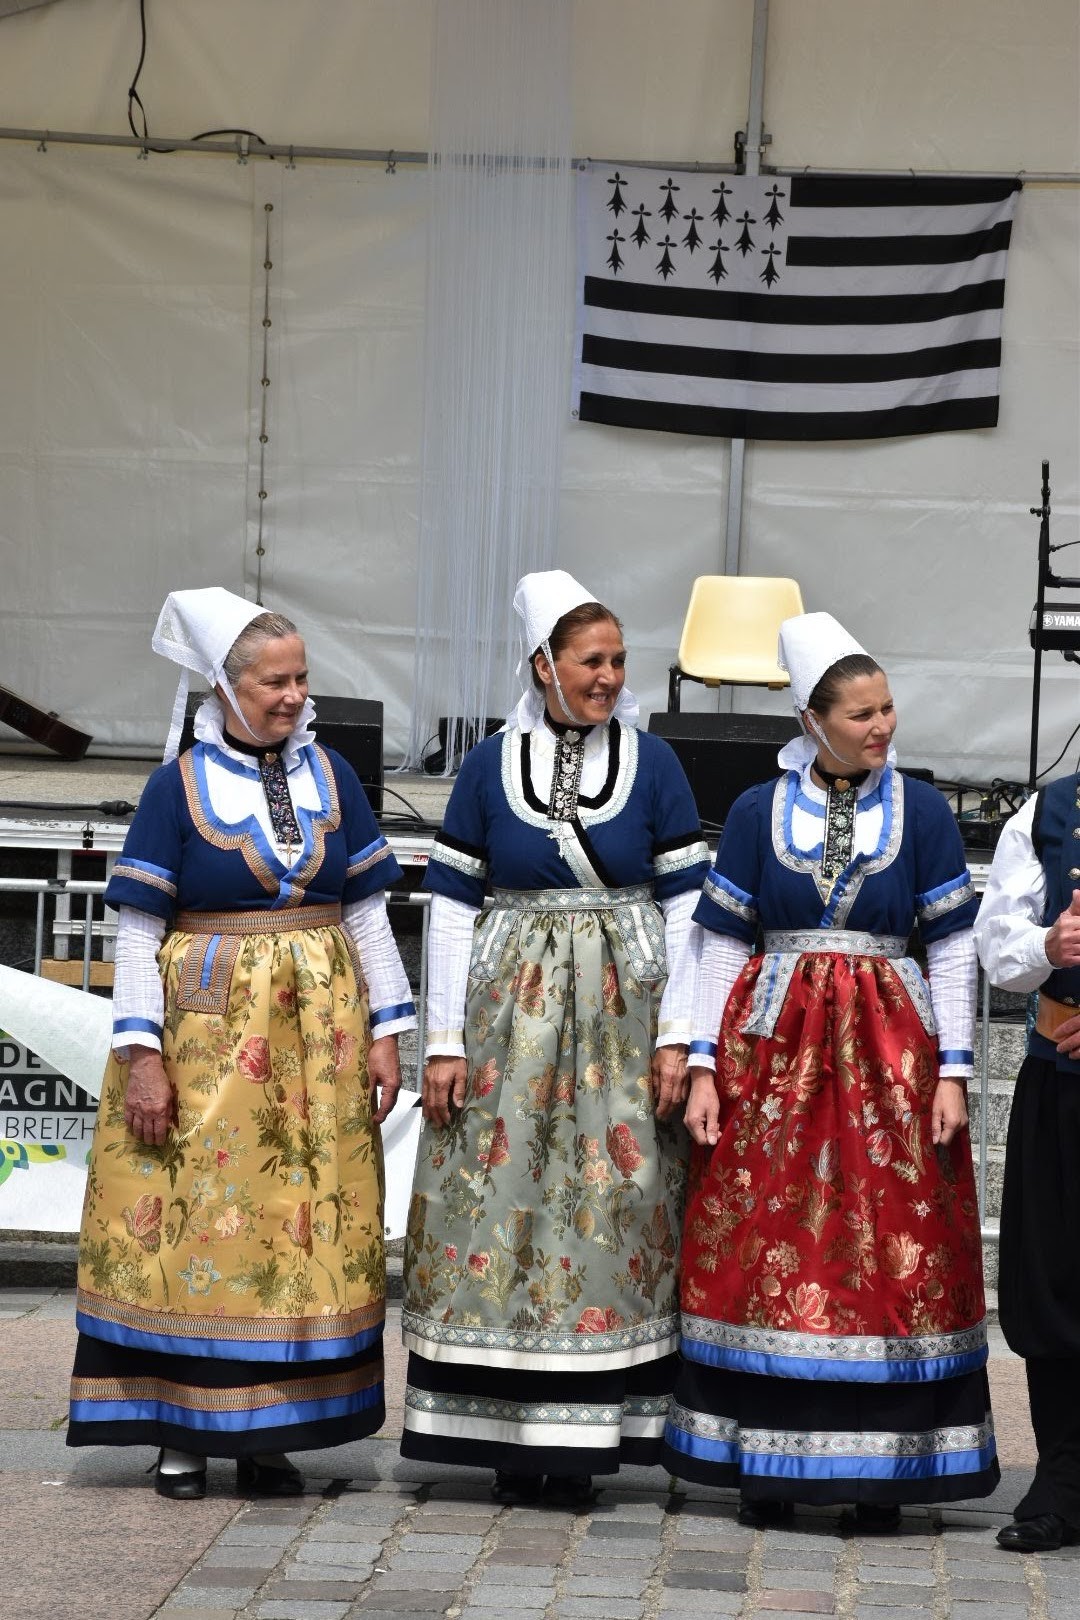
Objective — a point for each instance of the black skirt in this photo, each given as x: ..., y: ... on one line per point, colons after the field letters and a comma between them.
x: 216, y: 1407
x: 1039, y: 1277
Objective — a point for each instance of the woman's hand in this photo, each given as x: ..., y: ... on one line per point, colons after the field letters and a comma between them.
x: 669, y: 1080
x: 703, y: 1109
x: 445, y: 1079
x: 948, y: 1111
x: 150, y: 1102
x: 384, y: 1072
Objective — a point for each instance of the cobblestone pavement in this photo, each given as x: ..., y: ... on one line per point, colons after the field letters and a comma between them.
x: 84, y: 1536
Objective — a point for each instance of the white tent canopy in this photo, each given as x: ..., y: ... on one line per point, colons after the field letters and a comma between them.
x: 131, y: 306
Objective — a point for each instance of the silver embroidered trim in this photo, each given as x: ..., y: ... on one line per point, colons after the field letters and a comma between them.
x: 826, y: 1347
x: 566, y: 776
x: 471, y: 865
x: 835, y: 941
x: 919, y: 992
x: 834, y: 1442
x: 679, y: 860
x: 770, y: 993
x: 577, y: 1414
x: 727, y: 902
x: 865, y: 869
x: 948, y: 902
x: 538, y: 1341
x: 636, y: 917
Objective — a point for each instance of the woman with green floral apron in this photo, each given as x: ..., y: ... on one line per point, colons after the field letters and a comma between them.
x: 541, y: 1302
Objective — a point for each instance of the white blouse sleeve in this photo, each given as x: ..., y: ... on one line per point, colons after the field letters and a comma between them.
x: 682, y: 936
x: 138, y: 998
x: 1009, y: 932
x: 391, y: 1002
x: 449, y: 950
x: 953, y: 971
x: 722, y: 960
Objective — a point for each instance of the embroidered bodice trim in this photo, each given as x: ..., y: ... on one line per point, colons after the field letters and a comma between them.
x: 605, y: 806
x: 248, y: 837
x: 839, y: 893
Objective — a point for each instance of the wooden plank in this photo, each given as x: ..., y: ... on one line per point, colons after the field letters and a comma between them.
x: 71, y: 972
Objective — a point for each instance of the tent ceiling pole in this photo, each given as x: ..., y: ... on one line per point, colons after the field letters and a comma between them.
x: 752, y: 146
x: 242, y: 148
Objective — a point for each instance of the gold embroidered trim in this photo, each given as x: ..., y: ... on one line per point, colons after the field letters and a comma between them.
x: 237, y: 1330
x: 191, y: 994
x: 135, y: 874
x: 356, y: 867
x: 245, y: 1398
x: 258, y: 922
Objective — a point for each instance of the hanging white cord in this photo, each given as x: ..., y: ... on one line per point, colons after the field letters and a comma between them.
x: 496, y: 367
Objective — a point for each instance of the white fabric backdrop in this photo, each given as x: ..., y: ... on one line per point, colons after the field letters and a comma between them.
x: 130, y: 296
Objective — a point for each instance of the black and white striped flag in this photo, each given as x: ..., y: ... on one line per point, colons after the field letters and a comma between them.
x: 764, y: 307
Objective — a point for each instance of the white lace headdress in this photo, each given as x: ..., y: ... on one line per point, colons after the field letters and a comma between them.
x: 540, y: 601
x: 810, y: 644
x: 196, y: 629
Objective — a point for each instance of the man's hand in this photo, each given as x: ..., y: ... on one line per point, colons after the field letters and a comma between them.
x: 445, y: 1079
x: 150, y: 1102
x: 384, y: 1072
x: 670, y: 1082
x: 1063, y: 939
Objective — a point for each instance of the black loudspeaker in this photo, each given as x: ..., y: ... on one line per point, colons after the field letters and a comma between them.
x: 353, y: 727
x: 723, y: 754
x: 457, y: 741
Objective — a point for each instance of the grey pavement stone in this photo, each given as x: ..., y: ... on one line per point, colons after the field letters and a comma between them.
x: 240, y: 1534
x: 880, y: 1552
x: 981, y: 1610
x: 346, y: 1554
x: 423, y: 1603
x: 702, y: 1580
x: 425, y: 1523
x: 674, y: 1601
x: 800, y: 1540
x: 433, y: 1561
x: 705, y: 1558
x: 359, y: 1535
x: 194, y: 1614
x: 302, y: 1611
x: 895, y: 1596
x: 476, y: 1612
x: 230, y: 1577
x: 983, y: 1590
x: 901, y: 1574
x: 726, y: 1529
x: 864, y: 1611
x: 418, y: 1580
x: 615, y: 1530
x: 612, y: 1585
x: 506, y: 1600
x: 357, y: 1573
x: 585, y: 1609
x: 628, y: 1510
x: 411, y: 1542
x: 216, y: 1597
x: 526, y: 1557
x: 807, y: 1558
x: 324, y: 1591
x: 281, y: 1513
x: 589, y: 1569
x: 794, y: 1602
x: 1061, y: 1608
x: 799, y: 1580
x: 245, y: 1557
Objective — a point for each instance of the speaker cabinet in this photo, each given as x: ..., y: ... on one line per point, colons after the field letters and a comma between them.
x: 723, y: 754
x: 353, y: 727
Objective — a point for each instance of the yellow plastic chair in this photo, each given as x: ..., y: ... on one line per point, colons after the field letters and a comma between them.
x: 729, y: 636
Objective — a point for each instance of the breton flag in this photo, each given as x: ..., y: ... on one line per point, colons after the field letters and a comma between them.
x: 805, y: 307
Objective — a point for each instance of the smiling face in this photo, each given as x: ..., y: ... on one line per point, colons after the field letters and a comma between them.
x: 859, y: 725
x: 271, y: 691
x: 591, y: 670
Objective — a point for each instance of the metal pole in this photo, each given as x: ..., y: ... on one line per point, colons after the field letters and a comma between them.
x: 984, y: 1093
x: 752, y: 165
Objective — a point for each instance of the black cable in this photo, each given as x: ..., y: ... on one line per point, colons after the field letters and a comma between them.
x: 413, y: 811
x: 109, y: 807
x: 135, y: 100
x: 1061, y: 756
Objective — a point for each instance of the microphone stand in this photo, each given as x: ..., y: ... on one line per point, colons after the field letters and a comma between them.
x: 1045, y: 578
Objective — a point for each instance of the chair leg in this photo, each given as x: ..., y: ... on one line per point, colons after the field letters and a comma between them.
x: 674, y: 689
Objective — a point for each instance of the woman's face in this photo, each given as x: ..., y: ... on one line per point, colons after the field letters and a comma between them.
x: 591, y: 671
x: 859, y: 725
x: 272, y: 689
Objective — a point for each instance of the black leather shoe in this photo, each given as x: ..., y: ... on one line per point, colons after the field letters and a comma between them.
x: 877, y: 1515
x: 510, y: 1487
x: 569, y: 1490
x: 1046, y: 1532
x: 189, y: 1486
x: 254, y: 1478
x: 762, y: 1513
